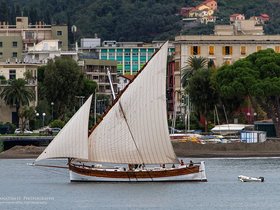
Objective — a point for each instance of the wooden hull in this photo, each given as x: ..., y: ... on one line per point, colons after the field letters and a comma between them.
x: 194, y: 173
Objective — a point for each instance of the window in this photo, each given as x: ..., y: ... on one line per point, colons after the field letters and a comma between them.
x: 1, y: 54
x: 29, y: 34
x: 1, y: 44
x: 59, y: 33
x: 211, y: 50
x: 119, y: 53
x: 243, y: 50
x: 135, y: 54
x: 259, y: 48
x: 127, y: 54
x: 12, y: 74
x: 14, y: 54
x: 143, y: 54
x: 59, y: 44
x: 277, y: 49
x: 14, y: 44
x: 195, y: 50
x: 227, y: 50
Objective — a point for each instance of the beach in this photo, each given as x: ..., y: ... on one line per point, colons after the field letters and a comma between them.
x: 182, y: 149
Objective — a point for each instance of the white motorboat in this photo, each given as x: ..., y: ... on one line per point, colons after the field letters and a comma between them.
x: 243, y: 178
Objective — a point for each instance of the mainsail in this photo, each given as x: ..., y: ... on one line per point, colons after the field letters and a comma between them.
x: 135, y: 129
x: 72, y: 140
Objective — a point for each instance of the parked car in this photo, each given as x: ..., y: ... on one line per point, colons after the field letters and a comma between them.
x: 17, y: 131
x: 55, y: 130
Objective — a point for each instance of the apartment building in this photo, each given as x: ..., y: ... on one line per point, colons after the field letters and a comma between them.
x: 11, y: 71
x: 97, y: 70
x: 15, y: 39
x: 222, y: 49
x: 130, y: 56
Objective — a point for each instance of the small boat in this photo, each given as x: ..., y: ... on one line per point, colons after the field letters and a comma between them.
x: 243, y: 178
x: 133, y: 131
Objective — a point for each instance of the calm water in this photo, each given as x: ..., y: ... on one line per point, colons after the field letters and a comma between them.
x: 26, y: 187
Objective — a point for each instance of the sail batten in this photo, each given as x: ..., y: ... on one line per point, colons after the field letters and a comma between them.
x: 135, y: 129
x: 72, y: 140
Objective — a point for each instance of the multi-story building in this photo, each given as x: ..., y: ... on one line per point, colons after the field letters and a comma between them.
x: 97, y: 70
x: 222, y: 49
x: 15, y: 39
x: 46, y: 50
x: 130, y: 56
x: 15, y: 71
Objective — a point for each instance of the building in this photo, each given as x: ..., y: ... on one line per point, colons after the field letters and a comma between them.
x: 211, y: 4
x: 14, y: 70
x: 96, y: 70
x: 235, y: 17
x: 130, y: 56
x: 240, y: 27
x: 46, y: 50
x: 16, y: 39
x: 221, y: 49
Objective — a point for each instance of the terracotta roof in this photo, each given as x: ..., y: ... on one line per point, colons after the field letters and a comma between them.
x: 128, y: 76
x: 265, y: 15
x: 235, y: 15
x: 206, y: 1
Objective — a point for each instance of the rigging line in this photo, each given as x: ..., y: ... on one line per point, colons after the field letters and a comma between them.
x: 131, y: 132
x: 133, y: 137
x: 49, y: 166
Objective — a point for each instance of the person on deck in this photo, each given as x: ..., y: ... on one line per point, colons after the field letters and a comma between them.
x: 182, y: 163
x: 191, y: 163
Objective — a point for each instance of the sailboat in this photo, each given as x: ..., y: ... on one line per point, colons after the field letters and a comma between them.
x: 131, y: 142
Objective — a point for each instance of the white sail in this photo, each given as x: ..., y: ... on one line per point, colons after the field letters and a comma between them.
x: 135, y: 129
x: 72, y: 140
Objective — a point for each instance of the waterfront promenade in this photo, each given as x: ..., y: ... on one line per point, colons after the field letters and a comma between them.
x: 31, y: 147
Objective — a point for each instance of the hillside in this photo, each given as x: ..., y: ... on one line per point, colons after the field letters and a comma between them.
x: 131, y: 20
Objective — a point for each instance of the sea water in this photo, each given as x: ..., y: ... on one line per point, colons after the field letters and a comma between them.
x: 27, y: 187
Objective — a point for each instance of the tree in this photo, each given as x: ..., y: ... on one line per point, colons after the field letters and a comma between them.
x: 258, y: 77
x: 63, y: 80
x: 18, y: 94
x: 26, y: 114
x: 89, y: 87
x: 193, y: 64
x: 202, y: 94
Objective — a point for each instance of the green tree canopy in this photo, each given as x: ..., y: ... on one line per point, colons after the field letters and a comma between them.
x: 202, y: 93
x: 60, y: 81
x: 193, y: 64
x: 256, y: 76
x: 63, y: 80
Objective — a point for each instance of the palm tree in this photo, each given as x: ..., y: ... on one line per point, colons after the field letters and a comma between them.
x: 193, y: 65
x: 18, y: 94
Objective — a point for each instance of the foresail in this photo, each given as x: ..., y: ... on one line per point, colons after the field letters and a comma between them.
x: 72, y: 140
x: 135, y: 129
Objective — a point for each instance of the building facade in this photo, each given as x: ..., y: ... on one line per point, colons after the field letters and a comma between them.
x: 16, y: 71
x: 15, y: 39
x: 221, y: 49
x: 130, y: 56
x: 96, y: 70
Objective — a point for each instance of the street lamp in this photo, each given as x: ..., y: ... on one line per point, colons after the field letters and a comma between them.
x: 52, y: 103
x: 37, y: 122
x: 44, y: 114
x: 249, y: 117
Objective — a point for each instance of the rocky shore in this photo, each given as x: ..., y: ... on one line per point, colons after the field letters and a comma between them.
x: 182, y: 149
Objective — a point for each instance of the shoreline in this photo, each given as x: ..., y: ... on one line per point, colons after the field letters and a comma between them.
x: 182, y: 149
